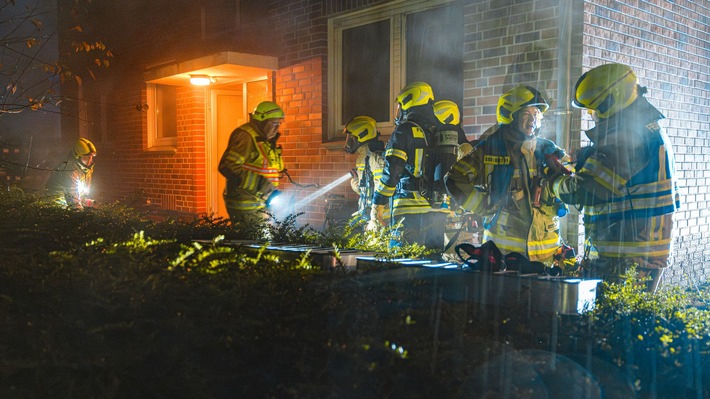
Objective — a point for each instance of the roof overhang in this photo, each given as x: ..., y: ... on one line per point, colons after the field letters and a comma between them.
x: 225, y: 67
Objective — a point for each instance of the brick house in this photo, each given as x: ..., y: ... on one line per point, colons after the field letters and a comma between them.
x: 325, y: 61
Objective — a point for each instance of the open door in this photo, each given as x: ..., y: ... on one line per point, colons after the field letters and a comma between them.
x: 228, y: 112
x: 230, y: 107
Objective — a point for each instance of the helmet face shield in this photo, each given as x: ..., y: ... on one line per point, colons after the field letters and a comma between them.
x: 606, y: 89
x: 351, y: 143
x: 359, y: 131
x: 267, y: 110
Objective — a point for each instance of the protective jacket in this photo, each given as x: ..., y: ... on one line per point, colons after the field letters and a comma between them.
x: 70, y: 182
x: 408, y: 174
x: 368, y: 167
x: 624, y: 181
x: 251, y: 164
x: 498, y: 181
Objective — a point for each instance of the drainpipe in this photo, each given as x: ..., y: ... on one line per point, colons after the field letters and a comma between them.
x: 564, y: 58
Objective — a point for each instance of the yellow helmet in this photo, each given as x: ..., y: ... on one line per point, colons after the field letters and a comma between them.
x: 415, y: 94
x: 517, y: 98
x: 606, y: 89
x: 358, y: 131
x: 447, y: 112
x: 83, y: 147
x: 267, y: 110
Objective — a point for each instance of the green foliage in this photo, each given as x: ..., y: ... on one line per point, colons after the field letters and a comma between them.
x: 631, y: 327
x: 110, y: 303
x: 355, y: 236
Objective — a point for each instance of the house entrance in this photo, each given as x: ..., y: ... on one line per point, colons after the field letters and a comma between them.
x: 229, y: 109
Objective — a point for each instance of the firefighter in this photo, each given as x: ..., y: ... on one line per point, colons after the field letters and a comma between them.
x: 408, y: 176
x: 252, y: 164
x: 70, y: 182
x: 362, y: 138
x: 452, y: 144
x: 447, y: 112
x: 624, y: 180
x: 502, y: 180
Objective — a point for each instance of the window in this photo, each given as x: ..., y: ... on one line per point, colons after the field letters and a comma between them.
x: 162, y: 117
x: 220, y: 16
x: 93, y: 113
x: 373, y: 53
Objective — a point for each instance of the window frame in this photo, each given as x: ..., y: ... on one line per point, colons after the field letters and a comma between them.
x: 156, y: 142
x: 396, y: 13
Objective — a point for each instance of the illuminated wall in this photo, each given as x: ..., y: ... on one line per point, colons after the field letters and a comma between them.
x: 541, y: 42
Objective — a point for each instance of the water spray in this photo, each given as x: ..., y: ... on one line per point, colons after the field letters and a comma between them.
x: 321, y: 191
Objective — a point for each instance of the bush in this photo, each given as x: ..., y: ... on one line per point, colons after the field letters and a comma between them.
x: 107, y: 303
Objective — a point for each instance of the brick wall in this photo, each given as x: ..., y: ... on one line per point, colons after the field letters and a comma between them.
x: 171, y: 180
x: 299, y: 90
x: 509, y: 42
x: 667, y: 45
x: 506, y: 42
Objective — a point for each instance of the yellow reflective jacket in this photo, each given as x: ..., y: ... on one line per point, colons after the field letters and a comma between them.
x: 407, y: 167
x: 625, y: 183
x: 497, y: 182
x: 70, y: 183
x: 251, y: 165
x: 368, y: 166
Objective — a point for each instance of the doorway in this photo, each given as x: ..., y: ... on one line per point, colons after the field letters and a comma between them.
x: 229, y: 109
x: 228, y: 112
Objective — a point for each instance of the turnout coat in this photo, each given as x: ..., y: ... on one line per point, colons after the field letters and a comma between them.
x: 498, y: 181
x: 625, y: 183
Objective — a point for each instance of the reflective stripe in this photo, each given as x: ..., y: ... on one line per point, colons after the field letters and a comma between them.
x: 396, y: 153
x: 266, y: 164
x: 384, y: 190
x: 249, y: 182
x: 473, y: 200
x: 604, y: 176
x: 243, y: 205
x: 506, y: 243
x: 415, y: 205
x: 464, y: 168
x: 652, y: 199
x: 616, y: 249
x: 418, y: 133
x: 377, y: 174
x: 533, y: 249
x: 543, y: 249
x: 418, y: 156
x: 496, y: 160
x: 557, y: 183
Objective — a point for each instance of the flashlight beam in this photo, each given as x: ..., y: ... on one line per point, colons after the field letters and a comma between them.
x: 307, y: 200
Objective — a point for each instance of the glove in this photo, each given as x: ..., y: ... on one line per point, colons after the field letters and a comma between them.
x: 353, y: 173
x: 554, y: 167
x: 464, y: 149
x: 377, y: 214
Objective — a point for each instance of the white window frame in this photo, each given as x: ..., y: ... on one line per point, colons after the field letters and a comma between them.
x: 396, y: 13
x: 155, y: 140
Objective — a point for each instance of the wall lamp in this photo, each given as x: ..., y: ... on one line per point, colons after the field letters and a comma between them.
x: 202, y: 80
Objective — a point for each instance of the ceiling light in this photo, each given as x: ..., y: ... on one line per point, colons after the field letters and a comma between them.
x: 201, y: 80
